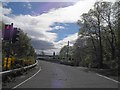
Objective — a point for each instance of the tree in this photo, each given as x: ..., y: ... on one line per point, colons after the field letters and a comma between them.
x: 64, y: 53
x: 116, y: 9
x: 21, y: 47
x: 21, y: 50
x: 98, y: 30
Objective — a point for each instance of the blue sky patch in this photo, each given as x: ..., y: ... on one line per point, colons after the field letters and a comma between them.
x: 34, y: 8
x: 69, y: 28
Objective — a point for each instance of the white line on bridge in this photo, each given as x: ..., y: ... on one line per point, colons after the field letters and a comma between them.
x: 27, y: 79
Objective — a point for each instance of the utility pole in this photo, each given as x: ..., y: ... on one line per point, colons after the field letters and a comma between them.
x: 67, y: 50
x: 53, y: 55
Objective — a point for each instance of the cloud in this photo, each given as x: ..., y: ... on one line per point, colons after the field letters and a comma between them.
x: 108, y: 0
x: 58, y: 27
x: 5, y: 3
x: 38, y: 26
x: 41, y: 44
x: 6, y: 11
x: 0, y: 12
x: 28, y: 5
x: 71, y: 38
x: 39, y: 0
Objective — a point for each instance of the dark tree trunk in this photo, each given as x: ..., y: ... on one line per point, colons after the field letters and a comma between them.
x: 100, y: 43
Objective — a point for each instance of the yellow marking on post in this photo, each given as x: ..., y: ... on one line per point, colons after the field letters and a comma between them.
x: 5, y: 62
x: 13, y: 59
x: 9, y: 63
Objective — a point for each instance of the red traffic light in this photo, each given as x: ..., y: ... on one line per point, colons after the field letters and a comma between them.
x: 7, y: 27
x: 7, y: 32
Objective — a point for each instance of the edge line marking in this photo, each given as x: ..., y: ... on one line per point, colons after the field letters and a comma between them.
x: 108, y: 78
x: 27, y: 79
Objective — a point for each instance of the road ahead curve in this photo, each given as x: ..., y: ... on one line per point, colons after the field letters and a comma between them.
x: 54, y: 75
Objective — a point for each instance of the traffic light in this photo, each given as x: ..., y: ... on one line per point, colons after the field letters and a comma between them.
x: 16, y: 33
x: 7, y: 32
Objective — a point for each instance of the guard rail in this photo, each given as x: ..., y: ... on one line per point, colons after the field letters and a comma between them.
x: 18, y: 69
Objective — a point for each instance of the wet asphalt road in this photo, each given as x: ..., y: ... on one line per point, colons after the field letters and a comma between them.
x: 54, y: 75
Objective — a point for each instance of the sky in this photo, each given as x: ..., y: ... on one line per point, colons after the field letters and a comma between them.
x: 50, y: 25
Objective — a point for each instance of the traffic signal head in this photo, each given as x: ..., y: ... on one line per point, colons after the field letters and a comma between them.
x: 16, y: 33
x: 7, y: 27
x: 7, y: 32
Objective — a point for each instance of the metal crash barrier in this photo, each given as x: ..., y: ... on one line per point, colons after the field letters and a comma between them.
x: 9, y: 74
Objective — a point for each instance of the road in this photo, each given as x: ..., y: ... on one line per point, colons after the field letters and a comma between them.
x: 52, y: 75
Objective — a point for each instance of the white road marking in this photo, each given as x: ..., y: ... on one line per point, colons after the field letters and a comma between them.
x: 108, y: 78
x: 26, y: 79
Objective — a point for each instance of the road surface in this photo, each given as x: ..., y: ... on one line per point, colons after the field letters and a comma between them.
x: 52, y: 75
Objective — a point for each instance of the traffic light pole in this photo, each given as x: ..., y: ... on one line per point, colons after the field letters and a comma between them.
x: 9, y: 52
x: 8, y: 33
